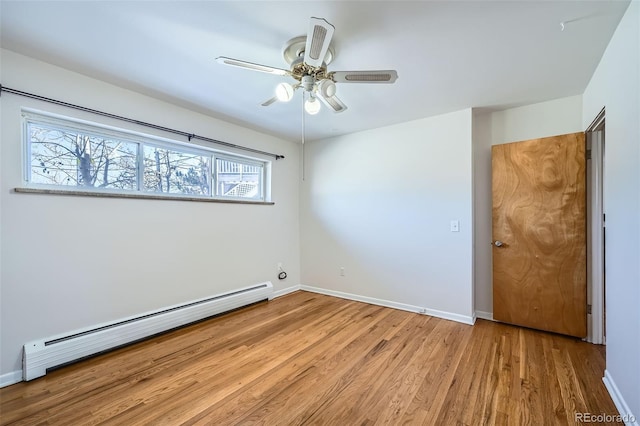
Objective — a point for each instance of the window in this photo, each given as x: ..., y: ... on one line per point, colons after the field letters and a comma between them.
x: 176, y: 172
x: 70, y: 154
x: 238, y: 178
x: 62, y: 156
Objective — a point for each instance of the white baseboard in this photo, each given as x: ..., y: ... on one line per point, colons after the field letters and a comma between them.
x: 625, y: 412
x: 389, y: 304
x: 485, y: 315
x: 11, y: 378
x: 284, y: 291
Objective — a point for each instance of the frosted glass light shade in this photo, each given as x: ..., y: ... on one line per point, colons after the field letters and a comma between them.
x: 327, y: 88
x: 312, y: 106
x: 284, y: 92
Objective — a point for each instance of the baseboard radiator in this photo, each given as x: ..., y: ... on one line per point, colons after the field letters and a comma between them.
x: 43, y: 354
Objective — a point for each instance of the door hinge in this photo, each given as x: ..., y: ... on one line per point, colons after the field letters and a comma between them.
x: 588, y: 154
x: 588, y: 309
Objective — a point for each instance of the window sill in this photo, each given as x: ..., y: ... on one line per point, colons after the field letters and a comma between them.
x: 140, y: 196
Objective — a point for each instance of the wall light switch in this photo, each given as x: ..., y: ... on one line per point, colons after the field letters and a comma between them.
x: 455, y: 226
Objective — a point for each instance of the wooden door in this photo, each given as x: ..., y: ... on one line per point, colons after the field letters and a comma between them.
x: 539, y: 249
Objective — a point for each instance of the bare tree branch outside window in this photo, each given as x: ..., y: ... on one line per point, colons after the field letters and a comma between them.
x: 60, y: 157
x: 176, y: 172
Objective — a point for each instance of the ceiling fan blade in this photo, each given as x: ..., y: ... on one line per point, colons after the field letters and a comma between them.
x: 318, y: 40
x: 378, y: 76
x: 332, y: 102
x: 269, y: 101
x: 251, y: 66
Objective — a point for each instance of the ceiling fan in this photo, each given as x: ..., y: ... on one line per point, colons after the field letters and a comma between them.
x: 308, y: 57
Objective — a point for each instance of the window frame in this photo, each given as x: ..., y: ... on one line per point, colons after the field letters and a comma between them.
x: 142, y: 140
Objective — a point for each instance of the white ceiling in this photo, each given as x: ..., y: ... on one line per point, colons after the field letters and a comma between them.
x: 449, y: 55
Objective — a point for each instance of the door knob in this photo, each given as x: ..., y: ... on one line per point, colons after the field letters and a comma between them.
x: 498, y: 243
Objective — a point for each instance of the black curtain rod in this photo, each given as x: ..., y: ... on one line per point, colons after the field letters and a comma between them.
x: 189, y: 136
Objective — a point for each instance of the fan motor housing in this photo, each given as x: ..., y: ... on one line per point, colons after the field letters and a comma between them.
x: 308, y: 82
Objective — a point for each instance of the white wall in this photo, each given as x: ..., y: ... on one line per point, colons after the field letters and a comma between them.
x: 551, y: 118
x: 72, y: 262
x: 482, y: 251
x: 556, y: 117
x: 379, y: 203
x: 616, y: 86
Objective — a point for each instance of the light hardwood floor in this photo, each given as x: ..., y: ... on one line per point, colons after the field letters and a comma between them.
x: 311, y: 359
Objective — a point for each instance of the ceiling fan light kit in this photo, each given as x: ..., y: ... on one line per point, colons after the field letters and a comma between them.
x: 308, y: 57
x: 312, y: 106
x: 284, y: 92
x: 327, y: 88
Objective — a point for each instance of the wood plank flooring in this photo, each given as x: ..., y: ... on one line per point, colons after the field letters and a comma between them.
x: 311, y: 359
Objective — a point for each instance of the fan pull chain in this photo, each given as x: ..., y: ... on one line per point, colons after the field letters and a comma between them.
x: 302, y: 109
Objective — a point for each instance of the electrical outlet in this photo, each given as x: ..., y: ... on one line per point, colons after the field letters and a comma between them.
x: 455, y: 226
x: 342, y: 271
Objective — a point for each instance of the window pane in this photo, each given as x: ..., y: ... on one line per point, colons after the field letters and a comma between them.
x: 65, y: 157
x: 236, y: 179
x: 176, y: 172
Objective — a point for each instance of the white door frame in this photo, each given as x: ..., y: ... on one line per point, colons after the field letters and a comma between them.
x: 595, y: 230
